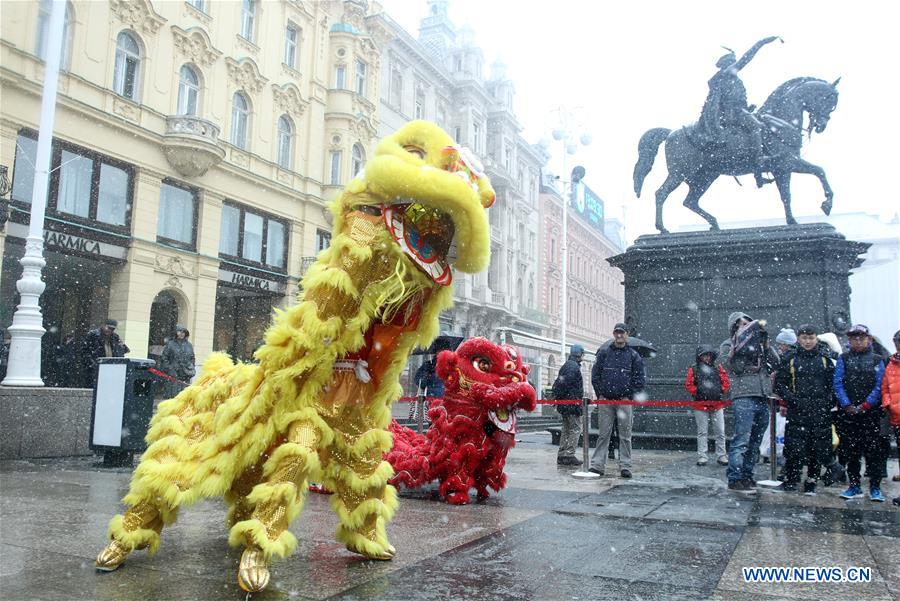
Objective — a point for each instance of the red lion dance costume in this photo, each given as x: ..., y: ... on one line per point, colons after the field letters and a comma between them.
x: 473, y: 426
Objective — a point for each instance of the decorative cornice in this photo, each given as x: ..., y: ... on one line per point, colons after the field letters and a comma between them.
x: 289, y: 99
x: 137, y: 14
x: 245, y: 74
x: 195, y: 45
x: 174, y: 265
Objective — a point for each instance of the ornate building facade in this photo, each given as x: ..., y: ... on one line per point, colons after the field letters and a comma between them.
x: 195, y: 146
x: 440, y: 76
x: 595, y: 295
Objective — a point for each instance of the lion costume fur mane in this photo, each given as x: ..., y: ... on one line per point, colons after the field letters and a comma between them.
x: 227, y: 434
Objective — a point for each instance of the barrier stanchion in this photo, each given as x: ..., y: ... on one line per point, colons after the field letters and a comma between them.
x: 773, y: 459
x: 420, y: 412
x: 585, y: 474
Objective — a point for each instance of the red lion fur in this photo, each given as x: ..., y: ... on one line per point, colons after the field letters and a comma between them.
x: 468, y: 440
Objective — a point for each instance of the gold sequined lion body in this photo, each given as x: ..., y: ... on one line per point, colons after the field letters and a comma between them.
x: 317, y: 405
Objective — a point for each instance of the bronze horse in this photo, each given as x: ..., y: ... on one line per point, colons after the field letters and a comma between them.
x: 691, y: 160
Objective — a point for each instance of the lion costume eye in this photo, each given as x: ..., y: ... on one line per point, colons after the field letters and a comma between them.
x: 411, y: 149
x: 482, y: 364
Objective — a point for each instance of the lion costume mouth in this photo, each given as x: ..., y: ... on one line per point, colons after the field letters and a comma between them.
x: 425, y: 234
x: 432, y: 196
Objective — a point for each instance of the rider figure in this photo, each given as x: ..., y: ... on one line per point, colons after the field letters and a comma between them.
x: 726, y: 104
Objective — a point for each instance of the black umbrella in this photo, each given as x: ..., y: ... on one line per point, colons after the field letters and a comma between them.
x: 441, y: 343
x: 643, y: 348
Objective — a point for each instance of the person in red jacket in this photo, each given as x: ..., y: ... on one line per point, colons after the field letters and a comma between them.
x: 890, y: 396
x: 706, y: 381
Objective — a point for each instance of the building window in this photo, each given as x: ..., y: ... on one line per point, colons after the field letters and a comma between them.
x: 339, y: 72
x: 291, y: 36
x: 476, y: 138
x: 335, y: 167
x: 176, y: 217
x: 253, y: 237
x: 23, y: 169
x: 442, y: 116
x: 323, y: 240
x: 358, y: 159
x: 198, y: 4
x: 285, y: 142
x: 420, y: 103
x: 83, y: 184
x: 396, y: 89
x: 43, y: 29
x: 188, y: 91
x: 457, y: 134
x: 248, y: 18
x: 240, y: 120
x: 360, y: 78
x: 507, y: 158
x: 112, y: 194
x: 75, y: 174
x: 230, y: 231
x: 128, y: 66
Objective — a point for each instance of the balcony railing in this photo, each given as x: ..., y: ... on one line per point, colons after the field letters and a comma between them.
x: 191, y: 145
x: 305, y: 264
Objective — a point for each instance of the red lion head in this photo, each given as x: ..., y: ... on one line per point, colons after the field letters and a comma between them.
x: 492, y: 375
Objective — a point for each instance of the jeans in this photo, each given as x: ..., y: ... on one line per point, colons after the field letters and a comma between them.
x: 751, y: 416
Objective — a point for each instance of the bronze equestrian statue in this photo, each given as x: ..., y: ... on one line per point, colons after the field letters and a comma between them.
x: 731, y: 138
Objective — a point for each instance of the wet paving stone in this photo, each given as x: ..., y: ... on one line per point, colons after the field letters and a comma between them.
x: 673, y: 532
x: 536, y: 559
x: 828, y: 519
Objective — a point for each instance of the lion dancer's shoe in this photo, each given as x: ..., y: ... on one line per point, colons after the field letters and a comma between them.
x: 138, y: 528
x: 275, y: 503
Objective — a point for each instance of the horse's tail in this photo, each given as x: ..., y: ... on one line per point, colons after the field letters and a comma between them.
x: 647, y: 148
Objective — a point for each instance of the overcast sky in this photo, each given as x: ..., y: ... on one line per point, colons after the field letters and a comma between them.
x: 642, y: 64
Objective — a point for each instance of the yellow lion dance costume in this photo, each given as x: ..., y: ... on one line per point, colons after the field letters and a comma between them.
x: 317, y: 405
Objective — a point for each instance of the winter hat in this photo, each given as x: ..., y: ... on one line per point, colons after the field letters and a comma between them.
x: 807, y: 328
x: 706, y: 349
x: 181, y: 328
x: 576, y: 351
x: 786, y: 336
x: 734, y: 317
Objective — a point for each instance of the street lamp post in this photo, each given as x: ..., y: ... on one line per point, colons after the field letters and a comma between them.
x: 27, y: 326
x: 571, y: 141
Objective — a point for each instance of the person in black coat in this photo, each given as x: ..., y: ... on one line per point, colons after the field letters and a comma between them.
x: 569, y: 385
x: 804, y: 380
x: 65, y: 355
x: 177, y: 361
x: 101, y: 342
x: 618, y: 374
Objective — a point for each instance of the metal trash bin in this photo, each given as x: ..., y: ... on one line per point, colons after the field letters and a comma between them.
x: 122, y: 408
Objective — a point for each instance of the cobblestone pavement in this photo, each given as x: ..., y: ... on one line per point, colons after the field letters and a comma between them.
x: 671, y: 532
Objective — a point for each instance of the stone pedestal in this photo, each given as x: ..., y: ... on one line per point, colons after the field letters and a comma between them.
x: 680, y: 289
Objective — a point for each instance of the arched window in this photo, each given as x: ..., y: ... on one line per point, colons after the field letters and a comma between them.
x: 188, y: 91
x: 43, y: 29
x: 240, y: 120
x: 358, y: 159
x: 285, y: 142
x: 128, y: 66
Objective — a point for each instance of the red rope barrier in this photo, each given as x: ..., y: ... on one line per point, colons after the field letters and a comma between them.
x: 166, y: 376
x: 699, y: 405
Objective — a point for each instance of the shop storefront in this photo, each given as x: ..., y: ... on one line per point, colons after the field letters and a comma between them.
x: 86, y: 239
x: 244, y: 304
